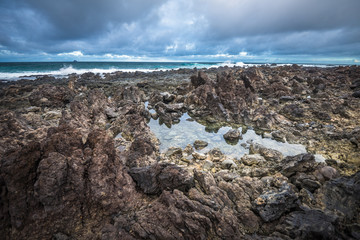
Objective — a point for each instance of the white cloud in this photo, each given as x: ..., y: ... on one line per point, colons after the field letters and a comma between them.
x: 74, y: 53
x: 9, y: 53
x: 122, y: 57
x: 190, y: 46
x: 172, y: 48
x: 243, y: 54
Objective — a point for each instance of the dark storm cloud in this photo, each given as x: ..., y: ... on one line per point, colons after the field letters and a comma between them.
x: 83, y: 18
x: 174, y: 28
x: 244, y: 18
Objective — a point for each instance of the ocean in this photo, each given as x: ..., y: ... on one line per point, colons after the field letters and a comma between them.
x: 29, y: 70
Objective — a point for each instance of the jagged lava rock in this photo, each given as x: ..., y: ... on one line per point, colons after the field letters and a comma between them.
x: 156, y: 178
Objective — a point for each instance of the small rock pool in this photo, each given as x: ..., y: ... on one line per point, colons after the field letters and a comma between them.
x: 186, y: 132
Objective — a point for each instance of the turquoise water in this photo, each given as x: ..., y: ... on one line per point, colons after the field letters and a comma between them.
x: 16, y: 70
x: 19, y: 70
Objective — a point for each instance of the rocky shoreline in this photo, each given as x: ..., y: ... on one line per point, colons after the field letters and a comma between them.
x: 79, y: 160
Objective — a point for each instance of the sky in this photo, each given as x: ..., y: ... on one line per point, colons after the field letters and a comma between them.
x: 181, y: 30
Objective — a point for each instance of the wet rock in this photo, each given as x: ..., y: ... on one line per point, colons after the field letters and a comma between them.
x: 170, y: 108
x: 159, y: 177
x: 199, y: 144
x: 154, y: 116
x: 272, y: 205
x: 266, y: 135
x: 267, y: 153
x: 279, y: 136
x: 232, y: 136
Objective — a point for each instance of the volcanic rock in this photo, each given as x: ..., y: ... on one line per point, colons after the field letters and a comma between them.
x: 199, y: 144
x: 272, y: 204
x: 159, y: 177
x: 233, y: 135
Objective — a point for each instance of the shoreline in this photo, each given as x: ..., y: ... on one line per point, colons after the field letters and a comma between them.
x: 80, y: 160
x: 66, y: 69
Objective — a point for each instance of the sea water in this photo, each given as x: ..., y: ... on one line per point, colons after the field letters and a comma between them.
x: 18, y: 70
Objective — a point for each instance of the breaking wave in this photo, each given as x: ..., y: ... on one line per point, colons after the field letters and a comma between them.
x: 16, y: 71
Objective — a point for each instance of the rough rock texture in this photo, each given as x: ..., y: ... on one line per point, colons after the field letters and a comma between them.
x: 159, y: 177
x: 71, y: 178
x: 50, y: 96
x: 226, y: 98
x: 199, y: 144
x: 232, y: 135
x: 271, y: 205
x: 78, y: 160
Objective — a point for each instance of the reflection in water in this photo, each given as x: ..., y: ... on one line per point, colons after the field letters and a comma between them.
x: 186, y: 132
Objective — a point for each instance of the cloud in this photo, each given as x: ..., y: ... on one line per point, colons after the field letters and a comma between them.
x: 173, y: 29
x: 74, y: 53
x: 243, y: 54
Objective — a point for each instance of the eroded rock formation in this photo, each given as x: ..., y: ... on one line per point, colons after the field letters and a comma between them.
x: 80, y: 162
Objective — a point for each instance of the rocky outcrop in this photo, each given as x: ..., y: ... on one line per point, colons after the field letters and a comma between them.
x: 159, y: 177
x: 50, y: 96
x: 272, y: 204
x: 67, y: 179
x: 80, y: 161
x: 232, y: 136
x: 225, y: 98
x: 200, y: 79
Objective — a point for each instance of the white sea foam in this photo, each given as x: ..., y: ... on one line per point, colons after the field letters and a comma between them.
x: 66, y: 71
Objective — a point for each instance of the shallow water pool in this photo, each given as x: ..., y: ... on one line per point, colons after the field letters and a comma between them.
x: 186, y: 132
